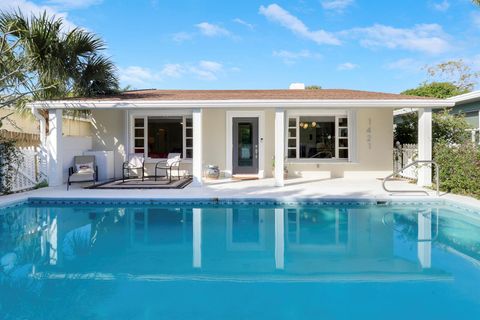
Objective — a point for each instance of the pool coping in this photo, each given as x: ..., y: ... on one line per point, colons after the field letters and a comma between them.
x: 225, y: 201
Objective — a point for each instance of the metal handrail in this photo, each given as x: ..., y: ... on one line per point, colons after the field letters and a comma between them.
x: 387, y: 178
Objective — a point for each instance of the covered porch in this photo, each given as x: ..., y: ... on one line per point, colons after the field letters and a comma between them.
x: 283, y: 141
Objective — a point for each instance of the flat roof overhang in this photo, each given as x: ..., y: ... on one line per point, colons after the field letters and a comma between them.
x: 465, y: 98
x: 188, y: 104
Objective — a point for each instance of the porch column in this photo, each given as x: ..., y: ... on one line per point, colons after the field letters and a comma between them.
x: 55, y: 148
x: 424, y: 245
x: 279, y: 146
x: 197, y: 237
x: 425, y: 145
x: 279, y: 239
x: 197, y: 148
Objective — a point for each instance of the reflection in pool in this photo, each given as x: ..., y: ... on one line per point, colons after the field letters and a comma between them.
x: 239, y: 262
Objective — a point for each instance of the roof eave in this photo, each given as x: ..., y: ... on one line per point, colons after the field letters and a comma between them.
x: 466, y: 98
x: 290, y: 103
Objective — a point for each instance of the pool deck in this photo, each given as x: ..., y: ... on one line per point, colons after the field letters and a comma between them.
x: 294, y: 189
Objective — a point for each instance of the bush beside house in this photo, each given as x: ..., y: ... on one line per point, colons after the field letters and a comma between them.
x: 458, y: 158
x: 459, y: 167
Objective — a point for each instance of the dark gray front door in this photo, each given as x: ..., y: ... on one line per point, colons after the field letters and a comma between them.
x: 245, y: 145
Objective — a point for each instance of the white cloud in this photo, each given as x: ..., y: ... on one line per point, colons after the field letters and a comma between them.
x: 182, y: 36
x: 137, y: 75
x: 74, y: 4
x: 207, y: 70
x: 476, y: 18
x: 212, y: 30
x: 336, y: 5
x: 405, y: 65
x: 291, y: 57
x: 347, y: 66
x: 426, y: 38
x: 474, y: 62
x: 441, y: 6
x: 244, y: 23
x: 173, y: 70
x: 211, y: 66
x: 30, y: 8
x: 279, y: 15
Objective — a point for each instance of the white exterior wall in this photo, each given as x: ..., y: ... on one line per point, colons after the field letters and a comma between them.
x: 373, y: 136
x: 109, y: 131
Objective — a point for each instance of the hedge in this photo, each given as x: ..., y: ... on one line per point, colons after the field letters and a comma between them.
x: 459, y: 168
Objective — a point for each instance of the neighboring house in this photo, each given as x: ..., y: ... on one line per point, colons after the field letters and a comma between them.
x: 24, y: 128
x: 469, y: 105
x: 315, y: 133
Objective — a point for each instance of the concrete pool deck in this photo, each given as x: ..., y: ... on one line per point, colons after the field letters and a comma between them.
x: 294, y: 189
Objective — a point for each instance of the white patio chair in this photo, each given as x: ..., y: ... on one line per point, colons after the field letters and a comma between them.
x: 173, y: 161
x: 136, y: 161
x: 84, y: 170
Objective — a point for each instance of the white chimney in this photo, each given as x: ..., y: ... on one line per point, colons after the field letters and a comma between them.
x: 297, y: 86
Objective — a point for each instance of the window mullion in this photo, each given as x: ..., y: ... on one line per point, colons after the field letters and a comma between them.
x: 297, y: 137
x: 145, y: 137
x: 184, y: 138
x: 337, y: 119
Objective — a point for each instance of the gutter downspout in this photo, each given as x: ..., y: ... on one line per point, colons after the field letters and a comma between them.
x: 42, y: 172
x: 43, y: 125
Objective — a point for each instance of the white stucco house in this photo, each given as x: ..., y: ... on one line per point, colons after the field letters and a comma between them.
x: 326, y: 133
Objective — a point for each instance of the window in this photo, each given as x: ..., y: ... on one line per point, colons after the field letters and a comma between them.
x: 318, y: 137
x: 139, y: 133
x: 156, y: 137
x: 164, y: 137
x: 472, y: 119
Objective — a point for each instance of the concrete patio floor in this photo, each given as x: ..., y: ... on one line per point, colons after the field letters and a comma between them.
x: 294, y: 189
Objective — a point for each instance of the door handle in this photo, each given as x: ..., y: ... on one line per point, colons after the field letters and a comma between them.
x: 256, y: 151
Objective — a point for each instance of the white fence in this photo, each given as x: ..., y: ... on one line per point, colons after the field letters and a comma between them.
x: 475, y: 135
x: 29, y: 170
x: 403, y: 156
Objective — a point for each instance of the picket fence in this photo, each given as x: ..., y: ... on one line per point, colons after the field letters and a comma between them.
x: 30, y: 169
x: 403, y: 156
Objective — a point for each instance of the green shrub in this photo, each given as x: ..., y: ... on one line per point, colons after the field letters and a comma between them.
x: 459, y: 167
x: 445, y: 127
x: 9, y: 159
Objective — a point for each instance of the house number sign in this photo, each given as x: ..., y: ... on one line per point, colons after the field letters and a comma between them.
x: 369, y: 134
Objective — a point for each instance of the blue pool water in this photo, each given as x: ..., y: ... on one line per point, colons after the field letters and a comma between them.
x: 88, y: 260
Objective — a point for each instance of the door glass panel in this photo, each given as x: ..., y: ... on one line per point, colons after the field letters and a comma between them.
x: 245, y: 145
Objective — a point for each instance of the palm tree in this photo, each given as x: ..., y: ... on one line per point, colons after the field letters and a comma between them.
x: 64, y: 62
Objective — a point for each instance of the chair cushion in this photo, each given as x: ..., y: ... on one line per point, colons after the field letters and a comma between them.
x: 79, y: 177
x: 135, y: 161
x: 173, y: 161
x: 85, y: 167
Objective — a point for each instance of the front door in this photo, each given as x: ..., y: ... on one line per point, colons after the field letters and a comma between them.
x: 245, y: 146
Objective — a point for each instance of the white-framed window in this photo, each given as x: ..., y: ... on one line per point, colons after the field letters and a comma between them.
x: 157, y: 136
x: 318, y: 136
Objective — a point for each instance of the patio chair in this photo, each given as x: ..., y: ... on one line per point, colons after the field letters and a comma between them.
x: 173, y: 161
x: 84, y: 169
x: 136, y: 161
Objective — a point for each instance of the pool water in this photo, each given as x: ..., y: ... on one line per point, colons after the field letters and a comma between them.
x: 239, y: 261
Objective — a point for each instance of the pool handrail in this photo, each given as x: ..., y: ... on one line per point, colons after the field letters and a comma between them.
x: 416, y: 162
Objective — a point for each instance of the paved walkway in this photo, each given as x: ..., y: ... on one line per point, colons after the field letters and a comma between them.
x: 300, y: 188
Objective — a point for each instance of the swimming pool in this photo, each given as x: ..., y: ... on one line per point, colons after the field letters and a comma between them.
x: 107, y: 259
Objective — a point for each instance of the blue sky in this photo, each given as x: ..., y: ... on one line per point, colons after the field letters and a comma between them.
x: 201, y: 44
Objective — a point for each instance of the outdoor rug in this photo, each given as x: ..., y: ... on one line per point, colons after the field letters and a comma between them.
x: 149, y: 183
